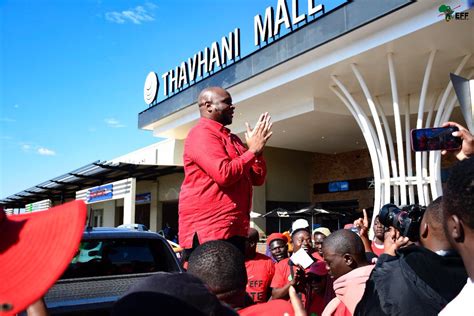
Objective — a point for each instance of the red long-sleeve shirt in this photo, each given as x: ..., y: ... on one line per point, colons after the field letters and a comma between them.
x: 216, y: 193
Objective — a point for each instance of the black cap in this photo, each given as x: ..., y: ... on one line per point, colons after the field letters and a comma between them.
x: 170, y: 294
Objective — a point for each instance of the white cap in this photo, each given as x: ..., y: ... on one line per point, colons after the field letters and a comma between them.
x: 322, y: 230
x: 299, y: 224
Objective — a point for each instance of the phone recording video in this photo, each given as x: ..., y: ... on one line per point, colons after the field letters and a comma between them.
x: 439, y: 138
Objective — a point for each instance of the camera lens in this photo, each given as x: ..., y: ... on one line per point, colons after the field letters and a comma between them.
x: 386, y: 214
x: 406, y: 220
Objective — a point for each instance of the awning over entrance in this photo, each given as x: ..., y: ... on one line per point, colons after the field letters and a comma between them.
x: 97, y: 173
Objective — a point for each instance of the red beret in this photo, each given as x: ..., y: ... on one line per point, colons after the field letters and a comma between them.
x: 318, y: 268
x: 276, y: 236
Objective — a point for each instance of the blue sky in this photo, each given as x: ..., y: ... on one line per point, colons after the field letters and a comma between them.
x: 72, y: 74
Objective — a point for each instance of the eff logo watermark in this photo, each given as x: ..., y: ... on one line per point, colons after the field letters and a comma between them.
x: 450, y: 13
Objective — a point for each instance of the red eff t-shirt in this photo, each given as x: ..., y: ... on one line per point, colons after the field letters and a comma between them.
x: 377, y: 249
x: 260, y: 271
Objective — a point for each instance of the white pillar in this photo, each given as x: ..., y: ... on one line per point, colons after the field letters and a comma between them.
x: 259, y: 202
x: 129, y: 203
x: 422, y: 199
x: 393, y: 159
x: 411, y: 191
x: 379, y: 139
x: 154, y: 206
x: 398, y: 130
x: 368, y: 134
x: 434, y: 158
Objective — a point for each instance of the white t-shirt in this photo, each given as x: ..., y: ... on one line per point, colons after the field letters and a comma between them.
x: 463, y: 304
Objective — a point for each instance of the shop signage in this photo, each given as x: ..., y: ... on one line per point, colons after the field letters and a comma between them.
x: 144, y: 198
x: 219, y: 54
x: 101, y: 193
x: 338, y: 186
x: 38, y: 206
x: 342, y: 186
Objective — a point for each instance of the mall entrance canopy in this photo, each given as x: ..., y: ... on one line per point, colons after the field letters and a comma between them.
x: 360, y: 77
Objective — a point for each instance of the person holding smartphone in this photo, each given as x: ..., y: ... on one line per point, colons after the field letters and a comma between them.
x: 467, y: 147
x: 458, y: 218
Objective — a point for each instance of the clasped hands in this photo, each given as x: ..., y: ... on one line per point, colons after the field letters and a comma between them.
x: 257, y: 137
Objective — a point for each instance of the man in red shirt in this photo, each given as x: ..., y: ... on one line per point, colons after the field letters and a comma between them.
x: 260, y: 270
x: 216, y: 194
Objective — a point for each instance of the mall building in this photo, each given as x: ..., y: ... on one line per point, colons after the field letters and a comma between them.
x: 344, y: 89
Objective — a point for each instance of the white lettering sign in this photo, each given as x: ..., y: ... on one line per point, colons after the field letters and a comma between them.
x: 217, y: 56
x: 271, y: 24
x: 202, y: 63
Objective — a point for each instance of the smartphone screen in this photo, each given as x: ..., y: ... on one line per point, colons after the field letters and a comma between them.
x: 439, y: 138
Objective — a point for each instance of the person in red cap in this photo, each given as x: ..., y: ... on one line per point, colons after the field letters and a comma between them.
x: 317, y: 276
x: 260, y: 270
x: 35, y: 249
x: 277, y: 245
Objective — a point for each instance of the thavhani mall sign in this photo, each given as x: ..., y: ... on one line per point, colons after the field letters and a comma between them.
x: 219, y: 54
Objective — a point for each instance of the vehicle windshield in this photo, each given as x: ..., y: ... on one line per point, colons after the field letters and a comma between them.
x: 119, y: 256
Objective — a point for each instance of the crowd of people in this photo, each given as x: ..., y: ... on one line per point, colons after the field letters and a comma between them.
x: 347, y: 273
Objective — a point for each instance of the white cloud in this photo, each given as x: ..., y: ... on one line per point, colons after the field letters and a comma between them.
x: 25, y: 147
x: 16, y: 106
x: 7, y: 120
x: 46, y: 152
x: 136, y: 15
x: 114, y: 123
x: 151, y: 5
x: 32, y: 148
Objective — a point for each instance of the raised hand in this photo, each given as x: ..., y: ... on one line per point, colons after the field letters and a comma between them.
x: 298, y: 307
x: 393, y: 241
x: 467, y: 148
x: 362, y: 224
x: 257, y: 137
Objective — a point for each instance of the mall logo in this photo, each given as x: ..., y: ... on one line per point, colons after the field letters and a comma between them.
x: 450, y: 14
